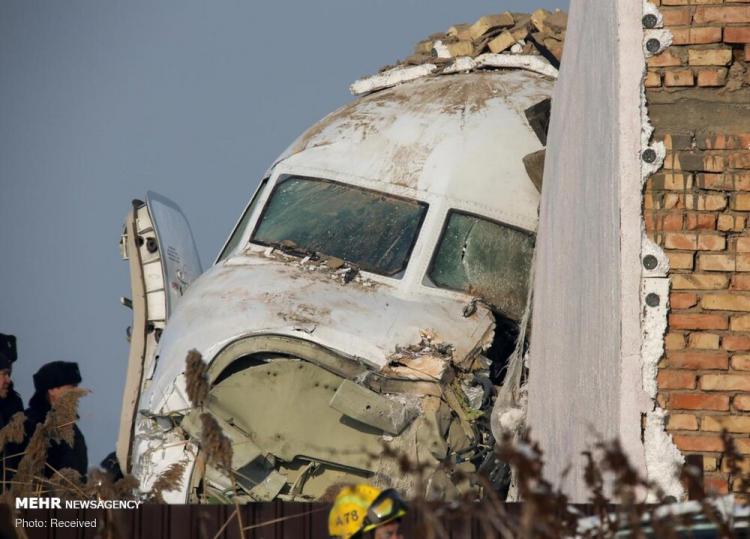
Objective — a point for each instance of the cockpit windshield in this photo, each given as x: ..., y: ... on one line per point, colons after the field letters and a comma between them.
x: 486, y: 259
x: 371, y: 230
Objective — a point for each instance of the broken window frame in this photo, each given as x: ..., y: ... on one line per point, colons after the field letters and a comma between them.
x: 398, y: 274
x: 427, y: 279
x: 235, y: 238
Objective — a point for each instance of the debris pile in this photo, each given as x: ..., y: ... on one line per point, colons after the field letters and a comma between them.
x: 428, y: 359
x: 540, y: 33
x: 505, y: 40
x: 428, y: 344
x: 339, y: 270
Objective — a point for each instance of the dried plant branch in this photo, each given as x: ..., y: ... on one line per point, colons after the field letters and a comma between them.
x: 196, y: 378
x: 170, y: 479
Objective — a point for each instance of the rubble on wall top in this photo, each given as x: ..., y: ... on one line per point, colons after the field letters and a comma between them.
x: 504, y: 40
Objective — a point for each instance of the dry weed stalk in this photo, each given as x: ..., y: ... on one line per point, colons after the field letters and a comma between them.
x: 196, y: 378
x: 32, y: 462
x: 170, y: 479
x: 13, y: 432
x: 216, y: 446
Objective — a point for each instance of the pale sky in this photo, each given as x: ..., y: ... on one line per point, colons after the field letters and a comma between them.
x: 101, y: 101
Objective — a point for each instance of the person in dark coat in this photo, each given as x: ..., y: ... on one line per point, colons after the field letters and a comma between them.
x: 52, y: 381
x: 10, y: 400
x: 10, y: 404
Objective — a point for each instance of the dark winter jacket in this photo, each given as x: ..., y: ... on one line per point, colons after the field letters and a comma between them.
x: 9, y: 406
x: 59, y: 454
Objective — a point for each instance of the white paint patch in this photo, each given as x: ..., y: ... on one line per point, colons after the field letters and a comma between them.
x: 663, y: 471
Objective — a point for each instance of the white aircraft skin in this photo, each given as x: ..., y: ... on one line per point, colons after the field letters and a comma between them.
x: 452, y: 142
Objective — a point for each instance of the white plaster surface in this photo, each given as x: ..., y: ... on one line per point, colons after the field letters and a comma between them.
x: 585, y: 379
x: 654, y: 326
x: 663, y: 471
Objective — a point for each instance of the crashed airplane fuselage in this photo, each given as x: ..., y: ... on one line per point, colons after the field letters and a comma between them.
x: 363, y: 306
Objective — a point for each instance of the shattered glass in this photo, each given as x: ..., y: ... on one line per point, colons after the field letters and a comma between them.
x: 485, y: 259
x: 374, y: 231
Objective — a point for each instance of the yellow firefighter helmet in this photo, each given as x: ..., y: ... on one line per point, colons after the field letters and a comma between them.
x: 349, y: 510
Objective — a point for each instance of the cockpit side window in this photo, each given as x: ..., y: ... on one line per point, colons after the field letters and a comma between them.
x: 239, y: 229
x: 370, y: 229
x: 486, y: 259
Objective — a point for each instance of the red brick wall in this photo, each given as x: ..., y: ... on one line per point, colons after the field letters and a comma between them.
x: 698, y: 209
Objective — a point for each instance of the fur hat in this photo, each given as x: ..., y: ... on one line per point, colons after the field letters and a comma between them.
x: 56, y: 374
